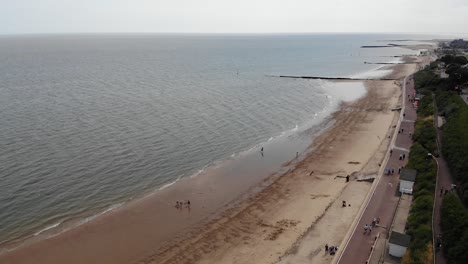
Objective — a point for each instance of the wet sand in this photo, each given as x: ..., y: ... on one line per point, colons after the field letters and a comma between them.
x: 268, y: 227
x: 265, y: 226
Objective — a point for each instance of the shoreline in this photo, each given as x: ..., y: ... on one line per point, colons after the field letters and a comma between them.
x: 256, y: 224
x: 105, y: 217
x: 56, y: 228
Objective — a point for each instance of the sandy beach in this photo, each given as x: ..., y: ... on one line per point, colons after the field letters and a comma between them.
x: 286, y: 218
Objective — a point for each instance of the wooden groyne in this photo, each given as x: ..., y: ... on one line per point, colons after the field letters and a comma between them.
x: 392, y: 63
x: 387, y: 40
x: 382, y: 46
x: 332, y: 78
x: 384, y: 63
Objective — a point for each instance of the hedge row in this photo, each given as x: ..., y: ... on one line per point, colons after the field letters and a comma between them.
x: 419, y: 223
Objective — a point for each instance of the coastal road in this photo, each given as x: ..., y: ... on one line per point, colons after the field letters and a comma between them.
x: 384, y: 200
x: 444, y: 180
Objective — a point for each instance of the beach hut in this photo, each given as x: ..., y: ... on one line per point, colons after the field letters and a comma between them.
x: 418, y: 96
x: 398, y: 243
x: 407, y: 178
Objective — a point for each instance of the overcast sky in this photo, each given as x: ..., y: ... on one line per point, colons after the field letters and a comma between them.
x: 233, y: 16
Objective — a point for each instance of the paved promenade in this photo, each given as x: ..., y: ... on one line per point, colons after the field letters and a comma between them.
x: 384, y: 200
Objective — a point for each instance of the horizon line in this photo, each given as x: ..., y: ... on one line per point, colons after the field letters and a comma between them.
x: 224, y: 33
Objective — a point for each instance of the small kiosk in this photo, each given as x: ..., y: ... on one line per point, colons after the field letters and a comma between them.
x: 407, y: 178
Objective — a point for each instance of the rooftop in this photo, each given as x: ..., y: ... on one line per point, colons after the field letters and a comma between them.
x: 399, y: 239
x: 408, y: 175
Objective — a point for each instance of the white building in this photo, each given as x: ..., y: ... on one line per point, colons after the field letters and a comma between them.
x: 398, y: 243
x: 407, y: 178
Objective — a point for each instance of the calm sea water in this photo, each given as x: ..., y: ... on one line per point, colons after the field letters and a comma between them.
x: 88, y: 121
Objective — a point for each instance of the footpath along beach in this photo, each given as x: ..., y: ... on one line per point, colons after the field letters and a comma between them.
x: 288, y: 221
x: 383, y: 202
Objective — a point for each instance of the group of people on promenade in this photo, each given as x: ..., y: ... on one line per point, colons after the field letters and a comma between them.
x: 181, y: 204
x: 402, y: 157
x: 368, y: 228
x: 447, y: 190
x: 391, y: 171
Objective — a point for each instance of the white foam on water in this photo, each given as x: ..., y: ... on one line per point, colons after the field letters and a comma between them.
x: 47, y: 228
x: 55, y: 225
x: 376, y: 73
x: 343, y: 91
x: 112, y: 207
x: 396, y: 60
x: 199, y: 172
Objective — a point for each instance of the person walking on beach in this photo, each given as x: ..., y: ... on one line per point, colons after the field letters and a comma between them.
x: 297, y: 155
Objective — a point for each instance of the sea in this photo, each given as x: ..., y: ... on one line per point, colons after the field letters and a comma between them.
x: 89, y: 122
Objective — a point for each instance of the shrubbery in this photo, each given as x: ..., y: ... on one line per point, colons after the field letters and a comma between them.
x: 426, y: 79
x: 419, y: 224
x: 424, y: 132
x: 455, y: 150
x: 460, y: 60
x: 455, y: 229
x: 455, y: 139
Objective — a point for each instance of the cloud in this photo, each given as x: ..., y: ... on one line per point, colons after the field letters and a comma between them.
x: 56, y: 16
